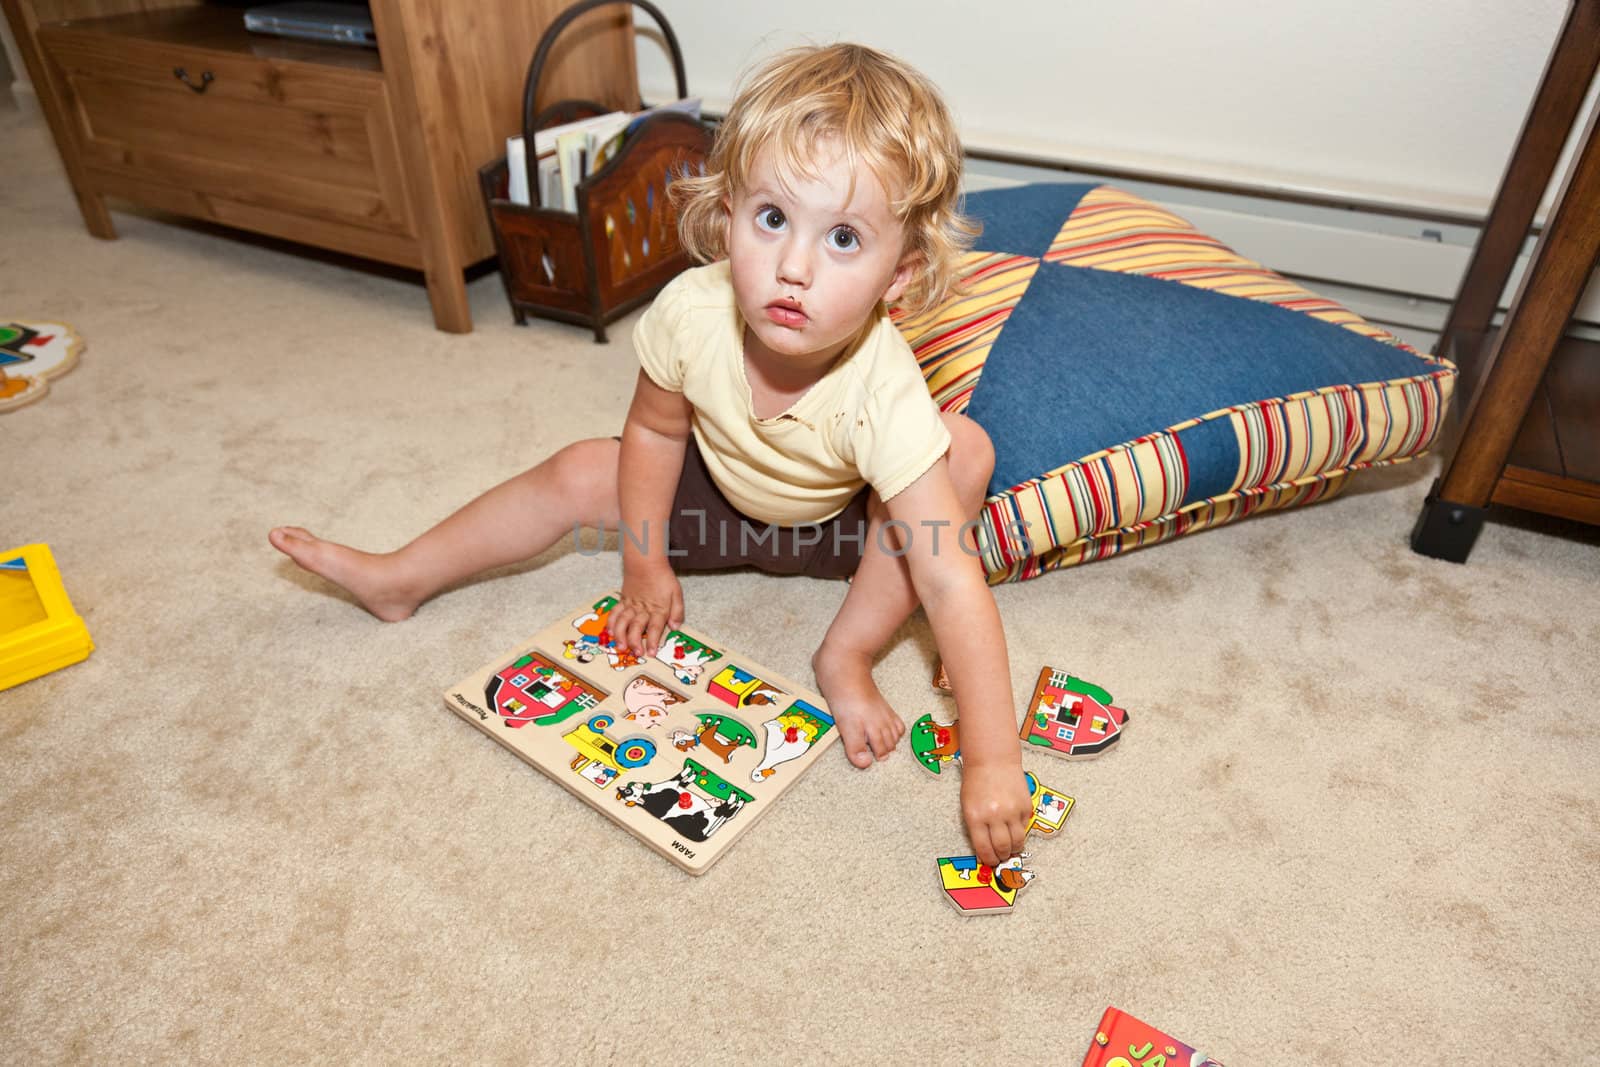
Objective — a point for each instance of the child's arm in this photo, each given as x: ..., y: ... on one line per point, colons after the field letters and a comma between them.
x: 949, y: 581
x: 648, y: 468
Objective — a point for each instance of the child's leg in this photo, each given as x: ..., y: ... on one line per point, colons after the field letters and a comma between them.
x: 881, y: 597
x: 513, y: 521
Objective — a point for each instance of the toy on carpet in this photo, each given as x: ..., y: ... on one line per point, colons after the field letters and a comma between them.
x: 39, y: 631
x: 1070, y: 717
x: 1123, y: 1041
x: 657, y: 744
x: 935, y: 743
x: 972, y: 887
x: 31, y: 353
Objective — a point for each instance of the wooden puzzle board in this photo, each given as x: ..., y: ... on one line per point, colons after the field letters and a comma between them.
x: 685, y: 749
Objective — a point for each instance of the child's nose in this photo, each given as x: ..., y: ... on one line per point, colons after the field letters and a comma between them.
x: 794, y: 265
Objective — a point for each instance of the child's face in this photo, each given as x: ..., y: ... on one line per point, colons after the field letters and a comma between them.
x: 812, y: 258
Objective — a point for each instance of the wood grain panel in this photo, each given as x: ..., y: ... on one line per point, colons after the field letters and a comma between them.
x: 293, y: 225
x: 57, y: 10
x: 1569, y: 498
x: 285, y: 136
x: 385, y: 168
x: 1573, y: 382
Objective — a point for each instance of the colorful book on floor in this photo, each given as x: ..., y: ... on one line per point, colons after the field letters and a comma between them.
x: 1123, y: 1041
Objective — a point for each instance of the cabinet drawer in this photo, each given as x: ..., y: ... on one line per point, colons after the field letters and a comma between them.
x: 267, y: 142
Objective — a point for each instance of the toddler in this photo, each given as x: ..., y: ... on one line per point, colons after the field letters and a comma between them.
x: 779, y: 419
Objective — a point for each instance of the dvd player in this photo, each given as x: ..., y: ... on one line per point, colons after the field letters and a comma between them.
x: 314, y: 20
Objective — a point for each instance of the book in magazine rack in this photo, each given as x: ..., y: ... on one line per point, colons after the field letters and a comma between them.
x: 621, y: 245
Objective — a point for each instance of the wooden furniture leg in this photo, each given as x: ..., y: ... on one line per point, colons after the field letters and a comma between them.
x: 96, y: 216
x: 447, y: 296
x: 1545, y: 300
x: 1551, y: 117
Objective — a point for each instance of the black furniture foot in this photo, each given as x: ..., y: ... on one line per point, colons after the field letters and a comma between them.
x: 1446, y: 530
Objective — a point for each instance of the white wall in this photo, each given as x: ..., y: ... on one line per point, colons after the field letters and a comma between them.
x: 1415, y: 102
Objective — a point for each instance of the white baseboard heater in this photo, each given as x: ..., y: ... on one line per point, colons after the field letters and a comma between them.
x: 1396, y: 267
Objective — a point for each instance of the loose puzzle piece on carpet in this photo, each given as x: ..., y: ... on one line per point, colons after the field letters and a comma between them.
x: 972, y: 887
x: 935, y: 743
x: 685, y: 749
x: 1070, y: 717
x: 31, y: 353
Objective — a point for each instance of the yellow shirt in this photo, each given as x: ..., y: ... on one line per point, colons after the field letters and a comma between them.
x: 868, y: 421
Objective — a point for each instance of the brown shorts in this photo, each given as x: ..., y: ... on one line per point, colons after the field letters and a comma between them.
x: 706, y: 533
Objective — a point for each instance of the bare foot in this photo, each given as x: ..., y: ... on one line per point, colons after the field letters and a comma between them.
x: 373, y: 579
x: 869, y: 726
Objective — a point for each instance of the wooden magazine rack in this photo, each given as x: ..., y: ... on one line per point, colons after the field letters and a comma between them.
x: 621, y: 245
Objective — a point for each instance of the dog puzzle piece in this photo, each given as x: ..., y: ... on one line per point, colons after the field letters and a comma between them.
x: 935, y: 743
x: 972, y: 887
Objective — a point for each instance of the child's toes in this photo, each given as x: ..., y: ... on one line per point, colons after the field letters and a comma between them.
x: 856, y: 748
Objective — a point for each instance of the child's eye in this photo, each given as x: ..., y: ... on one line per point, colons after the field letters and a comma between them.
x: 843, y: 239
x: 770, y: 218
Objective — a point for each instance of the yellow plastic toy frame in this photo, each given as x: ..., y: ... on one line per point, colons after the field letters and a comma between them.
x: 39, y: 631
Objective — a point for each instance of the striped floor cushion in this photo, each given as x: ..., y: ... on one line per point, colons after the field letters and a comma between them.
x: 1141, y: 381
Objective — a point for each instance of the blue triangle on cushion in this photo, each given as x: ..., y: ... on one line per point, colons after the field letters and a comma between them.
x: 1091, y: 359
x: 1024, y: 220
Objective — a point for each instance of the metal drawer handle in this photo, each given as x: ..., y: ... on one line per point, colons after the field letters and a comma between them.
x: 206, y: 78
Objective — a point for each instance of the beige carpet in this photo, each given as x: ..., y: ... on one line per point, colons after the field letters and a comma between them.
x: 1354, y: 820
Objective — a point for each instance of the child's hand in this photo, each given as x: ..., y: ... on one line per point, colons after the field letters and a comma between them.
x: 996, y: 807
x: 651, y: 604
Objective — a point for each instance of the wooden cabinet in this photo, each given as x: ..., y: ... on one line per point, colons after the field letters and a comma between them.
x: 375, y: 153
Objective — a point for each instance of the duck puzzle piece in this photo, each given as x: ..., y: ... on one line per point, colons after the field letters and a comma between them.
x: 1071, y: 718
x: 790, y: 736
x: 935, y: 743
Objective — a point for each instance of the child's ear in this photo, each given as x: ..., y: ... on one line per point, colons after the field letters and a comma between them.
x: 904, y: 273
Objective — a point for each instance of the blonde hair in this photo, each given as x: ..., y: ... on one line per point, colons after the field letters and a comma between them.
x: 883, y: 113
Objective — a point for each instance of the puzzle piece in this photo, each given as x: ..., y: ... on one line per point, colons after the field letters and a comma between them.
x: 1070, y: 717
x: 972, y: 887
x: 935, y: 743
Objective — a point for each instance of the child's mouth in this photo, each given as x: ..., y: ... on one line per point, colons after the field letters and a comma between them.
x: 786, y: 313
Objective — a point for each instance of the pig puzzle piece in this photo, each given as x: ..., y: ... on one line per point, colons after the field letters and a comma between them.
x: 974, y: 888
x: 935, y: 743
